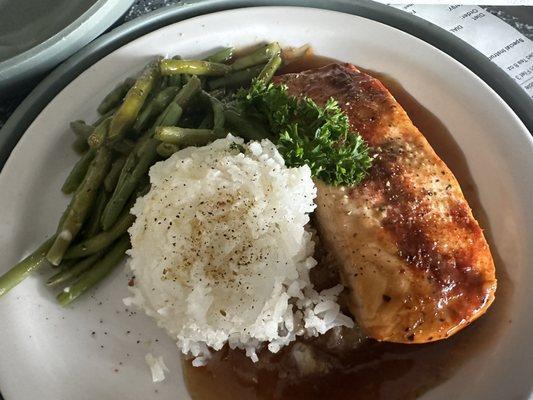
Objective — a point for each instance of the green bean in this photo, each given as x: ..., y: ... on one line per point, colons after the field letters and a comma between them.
x: 80, y: 146
x: 64, y: 215
x: 203, y: 81
x: 113, y: 98
x: 66, y: 264
x: 124, y: 146
x: 103, y: 239
x: 81, y: 129
x: 218, y: 93
x: 80, y: 205
x: 73, y: 271
x: 143, y: 157
x: 221, y: 56
x: 215, y: 117
x: 160, y: 85
x: 169, y: 67
x: 236, y: 79
x: 173, y: 112
x: 78, y: 172
x: 111, y: 179
x: 218, y: 113
x: 97, y: 138
x: 145, y: 153
x: 206, y: 121
x: 104, y: 116
x: 165, y: 150
x: 188, y: 91
x: 259, y: 56
x: 24, y: 268
x: 270, y: 69
x: 128, y: 167
x: 93, y: 221
x: 175, y: 80
x: 245, y: 127
x: 143, y: 188
x: 126, y: 114
x: 96, y: 273
x: 163, y: 83
x: 184, y: 137
x: 154, y: 108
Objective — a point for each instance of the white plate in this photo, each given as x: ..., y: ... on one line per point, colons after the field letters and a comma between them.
x: 49, y: 353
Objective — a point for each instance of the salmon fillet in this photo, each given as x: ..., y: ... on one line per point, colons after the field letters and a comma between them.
x: 413, y: 258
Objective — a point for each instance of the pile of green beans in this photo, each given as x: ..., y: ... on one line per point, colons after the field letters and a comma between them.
x: 172, y: 104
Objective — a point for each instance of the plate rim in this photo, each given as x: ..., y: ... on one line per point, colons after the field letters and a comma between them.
x: 78, y: 32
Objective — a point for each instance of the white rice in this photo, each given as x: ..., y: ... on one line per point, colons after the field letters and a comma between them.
x: 157, y: 367
x: 220, y: 253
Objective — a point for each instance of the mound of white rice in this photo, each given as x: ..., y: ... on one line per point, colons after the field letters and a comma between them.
x: 220, y: 253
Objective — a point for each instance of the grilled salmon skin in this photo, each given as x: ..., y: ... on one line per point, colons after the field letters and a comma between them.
x: 411, y: 254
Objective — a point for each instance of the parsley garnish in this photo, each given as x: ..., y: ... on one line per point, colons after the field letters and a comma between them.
x: 309, y: 134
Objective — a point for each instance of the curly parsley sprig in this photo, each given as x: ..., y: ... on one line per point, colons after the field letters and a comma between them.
x: 309, y: 134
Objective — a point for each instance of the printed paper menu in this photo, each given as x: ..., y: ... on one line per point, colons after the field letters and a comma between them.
x: 500, y: 42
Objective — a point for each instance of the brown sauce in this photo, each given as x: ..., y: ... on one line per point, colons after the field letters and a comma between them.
x: 372, y: 370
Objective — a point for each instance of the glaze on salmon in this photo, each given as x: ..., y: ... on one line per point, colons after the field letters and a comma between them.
x: 412, y: 256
